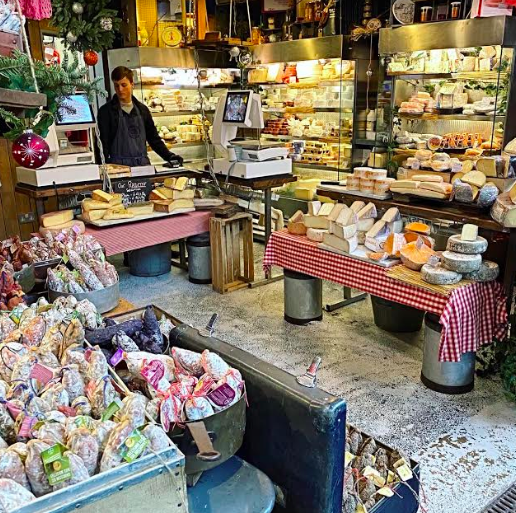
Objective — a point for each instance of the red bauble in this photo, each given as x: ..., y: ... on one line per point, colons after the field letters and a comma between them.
x: 30, y: 150
x: 91, y: 58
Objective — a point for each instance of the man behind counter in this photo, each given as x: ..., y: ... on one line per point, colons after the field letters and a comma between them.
x: 125, y: 125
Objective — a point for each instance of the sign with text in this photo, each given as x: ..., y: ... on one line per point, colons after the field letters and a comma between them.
x: 133, y: 190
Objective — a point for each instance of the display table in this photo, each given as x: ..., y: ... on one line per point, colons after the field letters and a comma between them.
x: 137, y: 235
x: 470, y: 316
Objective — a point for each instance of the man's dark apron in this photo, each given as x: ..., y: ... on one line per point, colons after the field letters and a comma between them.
x: 129, y: 146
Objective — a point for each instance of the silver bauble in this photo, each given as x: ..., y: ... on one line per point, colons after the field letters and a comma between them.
x: 77, y: 8
x: 71, y: 37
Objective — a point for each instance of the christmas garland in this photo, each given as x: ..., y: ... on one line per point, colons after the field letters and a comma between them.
x: 85, y: 25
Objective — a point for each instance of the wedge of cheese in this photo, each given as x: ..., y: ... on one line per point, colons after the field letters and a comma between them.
x: 392, y: 214
x: 504, y: 211
x: 314, y: 207
x: 357, y: 206
x: 512, y: 193
x: 156, y: 194
x: 337, y: 209
x: 56, y: 218
x: 141, y: 209
x: 171, y: 205
x: 347, y: 217
x: 186, y: 194
x: 379, y: 229
x: 375, y: 244
x: 115, y: 214
x: 344, y: 232
x: 325, y: 210
x: 314, y: 221
x: 444, y: 188
x: 476, y: 178
x: 364, y: 225
x: 99, y: 195
x: 405, y: 184
x: 180, y: 183
x: 94, y: 215
x: 346, y: 245
x: 166, y: 192
x: 368, y: 212
x: 89, y: 204
x: 315, y: 234
x: 170, y: 182
x: 428, y: 178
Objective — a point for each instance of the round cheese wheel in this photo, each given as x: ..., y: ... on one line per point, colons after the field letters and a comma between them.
x: 441, y: 156
x: 488, y: 271
x: 353, y: 183
x: 369, y: 189
x: 361, y: 172
x: 438, y: 275
x: 466, y: 247
x: 461, y: 263
x: 315, y: 234
x: 366, y: 182
x: 423, y: 155
x: 376, y: 174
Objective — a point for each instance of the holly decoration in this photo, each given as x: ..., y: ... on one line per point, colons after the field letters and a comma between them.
x: 87, y: 25
x: 91, y: 58
x: 30, y: 150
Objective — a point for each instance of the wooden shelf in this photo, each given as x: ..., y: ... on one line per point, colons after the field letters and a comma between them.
x: 455, y: 117
x: 16, y: 99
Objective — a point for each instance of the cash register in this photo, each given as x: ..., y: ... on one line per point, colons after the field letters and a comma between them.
x: 243, y: 109
x: 70, y: 140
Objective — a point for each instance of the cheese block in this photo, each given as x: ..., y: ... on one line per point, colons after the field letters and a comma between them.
x: 315, y: 234
x: 122, y: 213
x: 376, y: 174
x: 367, y: 189
x: 443, y: 188
x: 357, y: 206
x: 391, y: 214
x: 427, y: 178
x: 476, y: 178
x: 171, y: 205
x: 464, y: 192
x: 346, y: 245
x: 467, y: 247
x: 297, y: 217
x: 314, y: 207
x: 461, y: 263
x: 337, y: 209
x: 186, y: 194
x: 374, y: 243
x: 55, y: 218
x: 344, y: 232
x: 141, y: 209
x: 488, y: 271
x: 417, y: 227
x: 366, y: 185
x: 325, y: 209
x: 487, y: 195
x: 405, y: 184
x: 467, y: 166
x: 320, y: 222
x: 99, y: 195
x: 78, y: 226
x: 89, y: 204
x: 504, y: 211
x: 439, y: 275
x: 164, y: 191
x: 425, y: 193
x: 156, y: 194
x: 94, y: 215
x: 296, y: 228
x: 512, y: 193
x: 364, y: 225
x: 415, y: 255
x: 395, y: 226
x: 347, y: 217
x: 181, y: 183
x: 379, y: 229
x: 368, y: 212
x: 170, y: 182
x: 361, y: 172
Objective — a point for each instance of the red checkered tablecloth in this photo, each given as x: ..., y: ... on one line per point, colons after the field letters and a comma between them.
x: 470, y: 316
x: 128, y: 237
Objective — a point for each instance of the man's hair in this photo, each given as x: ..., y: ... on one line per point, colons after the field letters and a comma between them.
x: 120, y: 73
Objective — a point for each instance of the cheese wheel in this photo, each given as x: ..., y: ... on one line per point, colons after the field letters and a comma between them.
x: 315, y: 234
x: 438, y: 275
x: 366, y: 182
x: 66, y: 226
x: 423, y: 155
x: 466, y: 247
x: 367, y: 189
x: 376, y: 174
x: 353, y: 183
x: 52, y: 219
x: 488, y: 271
x: 461, y: 263
x: 361, y: 172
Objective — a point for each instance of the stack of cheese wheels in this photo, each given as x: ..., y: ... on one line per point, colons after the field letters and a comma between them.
x: 55, y: 222
x: 368, y: 180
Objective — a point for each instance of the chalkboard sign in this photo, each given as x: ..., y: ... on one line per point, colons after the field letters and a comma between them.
x: 135, y: 190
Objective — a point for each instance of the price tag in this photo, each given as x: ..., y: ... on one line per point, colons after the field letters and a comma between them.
x: 348, y: 458
x: 115, y: 406
x: 76, y: 229
x: 117, y: 357
x: 404, y: 472
x: 133, y: 446
x: 57, y: 467
x: 41, y: 373
x: 374, y: 475
x: 13, y: 409
x: 26, y: 426
x: 153, y: 372
x: 83, y: 421
x: 65, y: 258
x: 67, y: 410
x: 222, y: 396
x: 385, y: 491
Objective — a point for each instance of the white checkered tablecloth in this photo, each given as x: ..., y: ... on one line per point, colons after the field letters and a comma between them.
x: 470, y: 316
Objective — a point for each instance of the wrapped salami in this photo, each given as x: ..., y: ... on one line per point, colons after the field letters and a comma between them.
x: 102, y: 431
x: 13, y: 495
x: 103, y: 395
x: 72, y: 382
x: 52, y: 433
x: 3, y: 443
x: 4, y: 388
x: 81, y: 405
x: 55, y: 396
x: 38, y: 407
x: 214, y: 365
x: 56, y: 416
x: 171, y: 412
x: 97, y: 366
x: 55, y: 281
x: 11, y: 467
x: 78, y: 468
x: 111, y: 457
x: 46, y: 358
x: 87, y: 274
x: 34, y: 332
x: 133, y: 409
x: 73, y: 334
x: 75, y: 355
x: 159, y: 440
x: 20, y: 448
x: 136, y: 361
x: 197, y: 408
x: 89, y: 315
x: 10, y: 353
x: 22, y: 369
x: 86, y: 446
x: 152, y: 408
x: 7, y: 326
x: 165, y: 326
x: 104, y: 272
x: 122, y: 341
x: 34, y: 468
x: 6, y: 425
x: 188, y: 360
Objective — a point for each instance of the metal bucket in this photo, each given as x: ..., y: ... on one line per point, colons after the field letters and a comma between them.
x: 445, y: 377
x: 26, y: 278
x: 199, y: 258
x: 151, y: 261
x: 302, y: 298
x: 105, y: 299
x: 41, y: 268
x: 395, y: 317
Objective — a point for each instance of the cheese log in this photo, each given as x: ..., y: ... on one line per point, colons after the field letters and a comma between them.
x: 504, y: 211
x: 476, y: 178
x: 337, y: 209
x: 157, y: 195
x: 357, y: 206
x: 438, y: 275
x: 368, y: 212
x: 66, y: 226
x: 99, y: 195
x: 113, y: 215
x: 512, y: 194
x: 315, y: 234
x: 325, y: 209
x: 428, y: 178
x: 392, y: 214
x: 181, y: 183
x: 296, y: 228
x: 461, y: 263
x: 297, y: 217
x: 347, y: 217
x: 56, y: 218
x: 469, y: 233
x: 186, y: 194
x: 94, y: 215
x: 379, y: 229
x: 467, y: 247
x: 141, y: 209
x: 405, y: 184
x: 488, y: 271
x: 344, y: 232
x: 320, y: 222
x: 346, y: 245
x: 314, y: 207
x: 170, y: 182
x: 364, y: 225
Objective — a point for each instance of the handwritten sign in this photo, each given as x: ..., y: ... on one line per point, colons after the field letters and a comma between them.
x: 135, y: 190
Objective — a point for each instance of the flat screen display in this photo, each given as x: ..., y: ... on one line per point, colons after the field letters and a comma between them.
x: 80, y: 111
x: 237, y: 103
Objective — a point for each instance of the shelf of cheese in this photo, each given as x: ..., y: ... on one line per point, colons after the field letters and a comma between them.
x: 428, y: 116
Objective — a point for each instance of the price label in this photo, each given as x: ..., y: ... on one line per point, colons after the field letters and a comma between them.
x: 41, y: 373
x: 133, y: 446
x: 115, y: 406
x: 385, y: 491
x: 56, y: 466
x: 404, y: 472
x: 116, y: 358
x: 222, y: 396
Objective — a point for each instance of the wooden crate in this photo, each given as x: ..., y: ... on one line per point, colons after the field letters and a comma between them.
x: 232, y: 257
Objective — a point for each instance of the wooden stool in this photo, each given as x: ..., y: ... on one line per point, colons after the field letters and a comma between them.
x: 232, y: 257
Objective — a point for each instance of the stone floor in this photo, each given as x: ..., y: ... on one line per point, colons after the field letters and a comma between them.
x: 466, y: 444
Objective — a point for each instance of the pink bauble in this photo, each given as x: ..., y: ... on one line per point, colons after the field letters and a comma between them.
x: 30, y: 150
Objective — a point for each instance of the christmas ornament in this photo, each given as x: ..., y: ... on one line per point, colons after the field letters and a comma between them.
x: 106, y: 23
x: 71, y: 37
x: 91, y: 58
x: 77, y: 8
x: 234, y: 53
x: 30, y: 150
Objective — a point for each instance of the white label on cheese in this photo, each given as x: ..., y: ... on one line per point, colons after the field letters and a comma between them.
x: 469, y: 232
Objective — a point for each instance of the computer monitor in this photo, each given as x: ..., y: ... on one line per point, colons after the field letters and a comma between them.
x: 79, y: 116
x: 237, y: 109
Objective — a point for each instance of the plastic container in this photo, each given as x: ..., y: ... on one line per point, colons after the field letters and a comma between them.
x: 199, y: 258
x: 391, y: 316
x: 302, y: 298
x: 445, y: 377
x: 104, y: 300
x: 151, y: 261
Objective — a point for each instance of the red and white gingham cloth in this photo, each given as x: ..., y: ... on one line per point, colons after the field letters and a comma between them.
x: 130, y: 236
x: 471, y: 316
